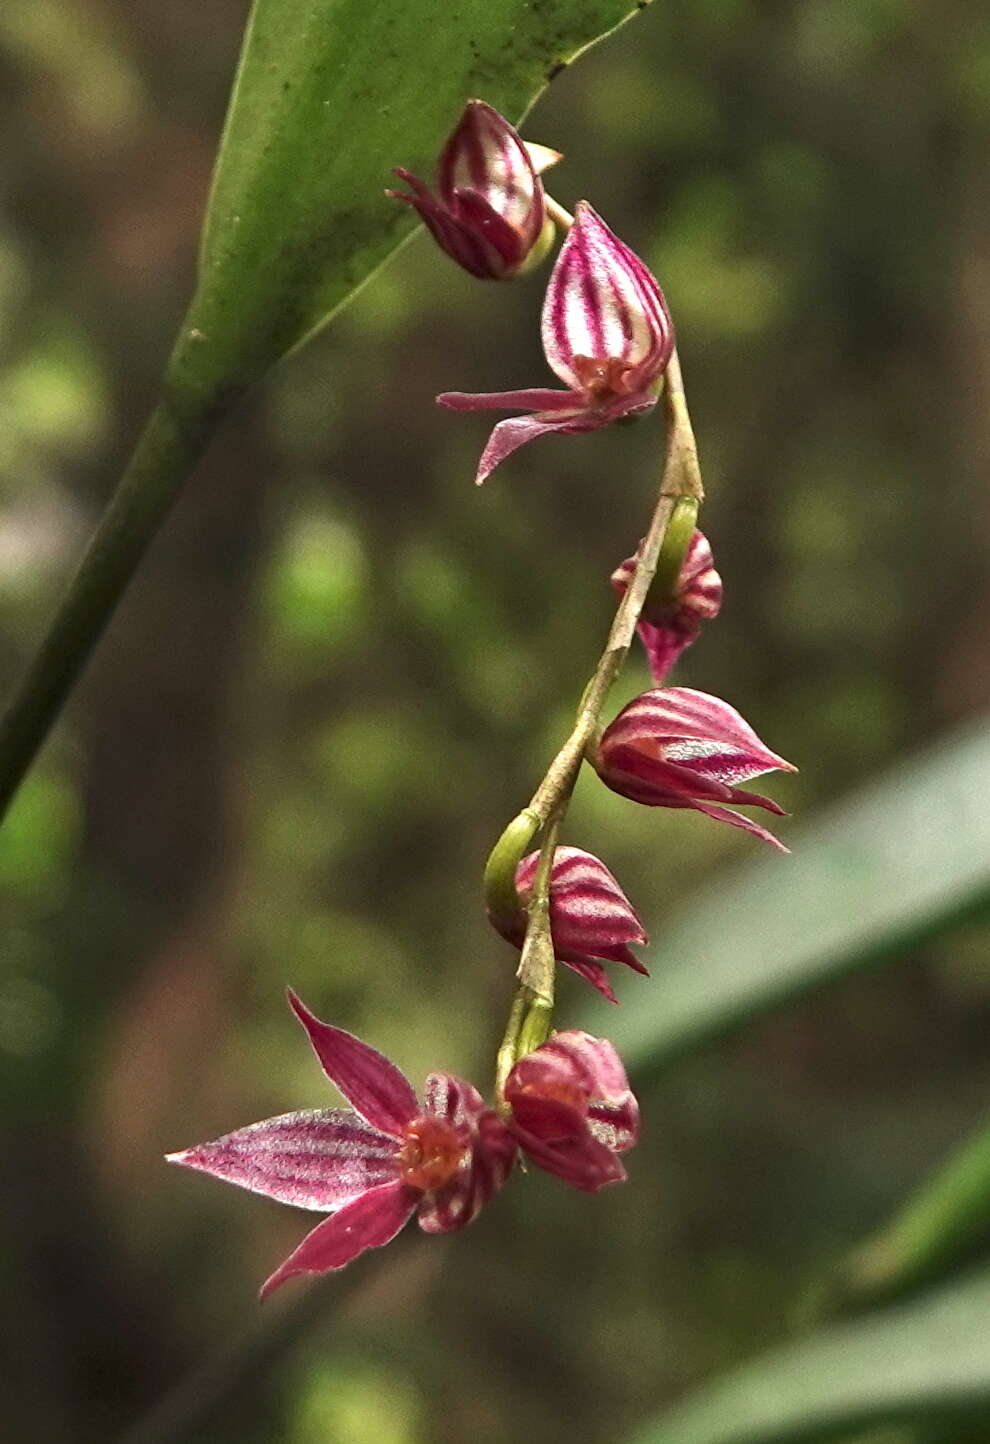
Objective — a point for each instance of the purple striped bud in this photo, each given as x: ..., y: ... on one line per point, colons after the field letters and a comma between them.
x: 674, y: 747
x: 489, y: 211
x: 370, y: 1167
x: 667, y: 630
x: 572, y: 1110
x: 607, y: 334
x: 590, y: 916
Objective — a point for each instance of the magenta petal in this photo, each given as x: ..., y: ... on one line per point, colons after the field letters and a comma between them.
x: 589, y: 1062
x: 590, y: 915
x: 603, y: 303
x: 732, y: 753
x: 572, y: 1109
x: 663, y: 645
x: 369, y: 1082
x: 736, y: 819
x: 470, y: 249
x: 481, y: 219
x: 546, y: 1117
x: 509, y: 435
x: 621, y: 954
x: 370, y: 1221
x: 583, y: 1163
x: 588, y: 909
x: 485, y: 1165
x: 537, y: 399
x: 592, y: 973
x: 485, y: 154
x: 312, y: 1159
x: 453, y: 1099
x: 636, y: 773
x: 615, y: 1124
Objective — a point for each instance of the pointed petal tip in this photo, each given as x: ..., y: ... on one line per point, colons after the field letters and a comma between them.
x: 182, y: 1156
x: 270, y: 1285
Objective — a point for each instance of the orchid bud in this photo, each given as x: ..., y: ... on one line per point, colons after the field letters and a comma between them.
x: 607, y: 333
x: 572, y: 1110
x: 674, y: 747
x: 590, y: 916
x: 666, y: 629
x: 489, y: 212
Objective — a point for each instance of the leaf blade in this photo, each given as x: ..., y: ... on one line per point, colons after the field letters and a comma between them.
x: 928, y: 1358
x: 297, y: 217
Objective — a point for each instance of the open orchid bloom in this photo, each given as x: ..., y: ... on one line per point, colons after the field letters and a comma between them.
x: 489, y: 211
x: 590, y: 916
x: 607, y: 334
x: 572, y: 1110
x: 674, y: 747
x: 666, y: 631
x: 371, y: 1168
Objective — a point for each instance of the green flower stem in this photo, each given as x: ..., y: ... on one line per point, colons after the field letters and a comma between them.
x: 508, y: 1050
x: 537, y: 963
x: 172, y: 440
x: 674, y: 515
x: 532, y: 1008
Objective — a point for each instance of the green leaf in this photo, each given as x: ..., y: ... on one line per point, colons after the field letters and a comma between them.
x: 946, y: 1220
x: 926, y: 1359
x: 330, y: 95
x: 894, y: 865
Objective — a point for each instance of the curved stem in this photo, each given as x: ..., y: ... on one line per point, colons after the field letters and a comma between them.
x: 172, y: 440
x: 529, y: 1019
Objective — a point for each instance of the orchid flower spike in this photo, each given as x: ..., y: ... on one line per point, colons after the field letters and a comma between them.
x: 572, y: 1110
x: 667, y: 630
x: 489, y: 212
x: 371, y: 1168
x: 674, y: 747
x: 590, y: 916
x: 607, y: 334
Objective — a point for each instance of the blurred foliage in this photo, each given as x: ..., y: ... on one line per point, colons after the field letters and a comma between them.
x: 923, y: 1360
x: 345, y: 668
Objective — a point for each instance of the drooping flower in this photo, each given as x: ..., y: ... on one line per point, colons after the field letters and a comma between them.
x: 371, y: 1168
x: 607, y: 334
x: 674, y: 747
x: 666, y: 631
x: 489, y: 211
x: 572, y: 1110
x: 590, y: 916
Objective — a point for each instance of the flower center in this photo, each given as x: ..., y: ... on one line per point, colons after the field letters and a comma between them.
x: 602, y: 378
x: 431, y: 1152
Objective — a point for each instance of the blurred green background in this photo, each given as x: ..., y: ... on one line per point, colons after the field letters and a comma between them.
x: 343, y: 669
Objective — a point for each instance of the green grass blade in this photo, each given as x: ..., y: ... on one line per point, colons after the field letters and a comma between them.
x: 926, y: 1360
x: 945, y: 1220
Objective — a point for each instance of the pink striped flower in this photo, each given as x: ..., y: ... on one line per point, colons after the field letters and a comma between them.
x: 674, y: 747
x: 370, y: 1169
x: 489, y: 213
x: 572, y: 1110
x: 607, y: 334
x: 590, y: 916
x: 666, y: 631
